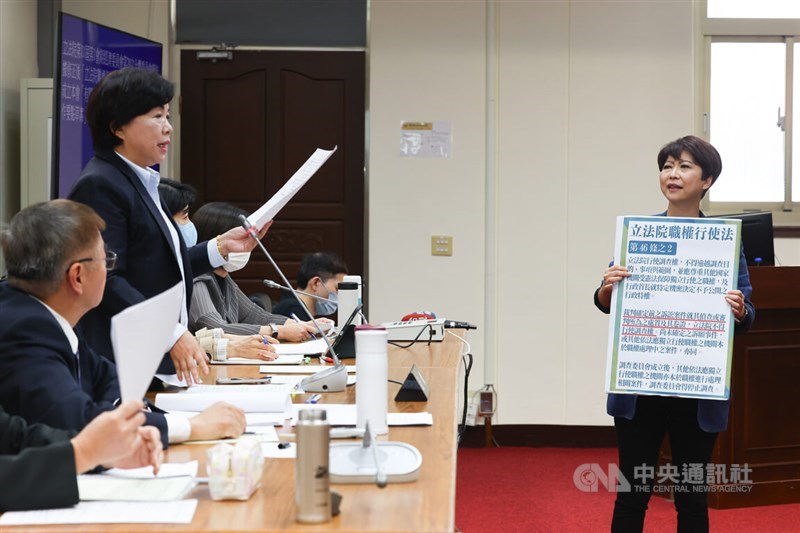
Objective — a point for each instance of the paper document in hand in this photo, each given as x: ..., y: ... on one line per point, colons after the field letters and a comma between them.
x: 249, y: 402
x: 267, y: 212
x: 140, y: 335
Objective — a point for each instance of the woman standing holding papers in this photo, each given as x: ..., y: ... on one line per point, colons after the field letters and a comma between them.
x: 688, y: 166
x: 128, y: 115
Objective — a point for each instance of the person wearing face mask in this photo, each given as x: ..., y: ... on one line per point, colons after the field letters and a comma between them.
x: 218, y: 302
x: 179, y: 197
x: 320, y: 274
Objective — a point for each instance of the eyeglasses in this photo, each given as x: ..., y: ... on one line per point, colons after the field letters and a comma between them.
x: 110, y: 259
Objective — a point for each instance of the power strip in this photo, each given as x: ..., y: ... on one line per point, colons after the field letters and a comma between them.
x: 419, y: 330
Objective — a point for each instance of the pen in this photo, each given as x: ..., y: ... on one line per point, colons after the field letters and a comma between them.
x: 284, y: 445
x: 300, y: 322
x: 314, y: 399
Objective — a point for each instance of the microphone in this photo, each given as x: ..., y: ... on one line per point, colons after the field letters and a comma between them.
x: 459, y: 325
x: 332, y: 379
x: 272, y: 285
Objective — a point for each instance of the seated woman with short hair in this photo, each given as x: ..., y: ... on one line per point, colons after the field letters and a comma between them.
x: 218, y: 302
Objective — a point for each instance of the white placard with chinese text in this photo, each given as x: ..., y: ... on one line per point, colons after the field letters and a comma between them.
x: 671, y: 330
x: 426, y: 139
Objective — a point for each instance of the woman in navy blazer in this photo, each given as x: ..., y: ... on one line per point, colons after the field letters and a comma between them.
x: 688, y: 166
x: 128, y: 115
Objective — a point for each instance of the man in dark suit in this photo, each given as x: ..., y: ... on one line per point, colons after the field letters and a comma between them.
x: 38, y: 464
x: 128, y: 115
x: 57, y: 265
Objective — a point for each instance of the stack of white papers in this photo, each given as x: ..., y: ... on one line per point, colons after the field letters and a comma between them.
x: 256, y: 401
x: 274, y: 387
x: 287, y: 359
x: 146, y: 472
x: 173, y: 482
x: 122, y: 489
x: 312, y: 347
x: 177, y: 512
x: 341, y: 414
x: 299, y: 369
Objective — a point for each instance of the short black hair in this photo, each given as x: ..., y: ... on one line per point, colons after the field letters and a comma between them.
x: 121, y: 96
x: 322, y: 264
x: 703, y: 153
x: 215, y: 218
x: 176, y: 195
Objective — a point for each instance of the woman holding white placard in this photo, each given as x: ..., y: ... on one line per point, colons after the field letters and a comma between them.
x: 688, y: 167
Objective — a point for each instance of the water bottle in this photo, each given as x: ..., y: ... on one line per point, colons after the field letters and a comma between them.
x: 348, y: 300
x: 372, y: 369
x: 360, y: 301
x: 312, y: 479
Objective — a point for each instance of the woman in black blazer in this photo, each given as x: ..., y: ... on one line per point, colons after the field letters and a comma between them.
x: 128, y: 115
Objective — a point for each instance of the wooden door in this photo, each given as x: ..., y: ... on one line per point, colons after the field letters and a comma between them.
x: 249, y: 123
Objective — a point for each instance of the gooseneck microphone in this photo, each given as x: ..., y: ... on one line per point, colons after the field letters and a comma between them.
x: 332, y: 379
x: 272, y: 285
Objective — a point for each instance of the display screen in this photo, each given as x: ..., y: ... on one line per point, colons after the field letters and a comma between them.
x: 87, y: 51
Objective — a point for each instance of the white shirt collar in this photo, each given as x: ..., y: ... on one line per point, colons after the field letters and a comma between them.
x: 71, y: 337
x: 149, y: 177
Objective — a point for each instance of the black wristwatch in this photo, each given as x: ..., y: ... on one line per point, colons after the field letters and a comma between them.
x: 274, y: 333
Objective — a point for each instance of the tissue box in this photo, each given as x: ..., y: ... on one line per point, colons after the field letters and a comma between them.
x: 234, y: 472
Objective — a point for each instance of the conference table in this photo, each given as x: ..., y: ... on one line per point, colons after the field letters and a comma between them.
x: 427, y: 504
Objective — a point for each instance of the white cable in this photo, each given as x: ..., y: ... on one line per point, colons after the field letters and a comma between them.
x: 469, y: 348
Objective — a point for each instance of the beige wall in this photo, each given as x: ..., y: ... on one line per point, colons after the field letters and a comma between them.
x: 17, y: 61
x: 587, y: 94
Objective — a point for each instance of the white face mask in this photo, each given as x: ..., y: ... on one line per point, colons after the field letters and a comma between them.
x: 236, y: 261
x: 189, y: 233
x: 327, y: 308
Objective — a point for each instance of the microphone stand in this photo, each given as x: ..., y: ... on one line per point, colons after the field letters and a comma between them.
x: 369, y: 442
x: 332, y: 379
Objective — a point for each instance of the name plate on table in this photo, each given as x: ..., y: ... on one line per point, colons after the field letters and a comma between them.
x: 414, y: 388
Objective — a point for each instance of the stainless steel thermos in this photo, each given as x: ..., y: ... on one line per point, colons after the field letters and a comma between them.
x: 312, y: 479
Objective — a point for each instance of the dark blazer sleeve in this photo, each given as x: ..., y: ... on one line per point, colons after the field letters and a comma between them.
x: 37, y: 466
x: 597, y: 303
x: 744, y: 285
